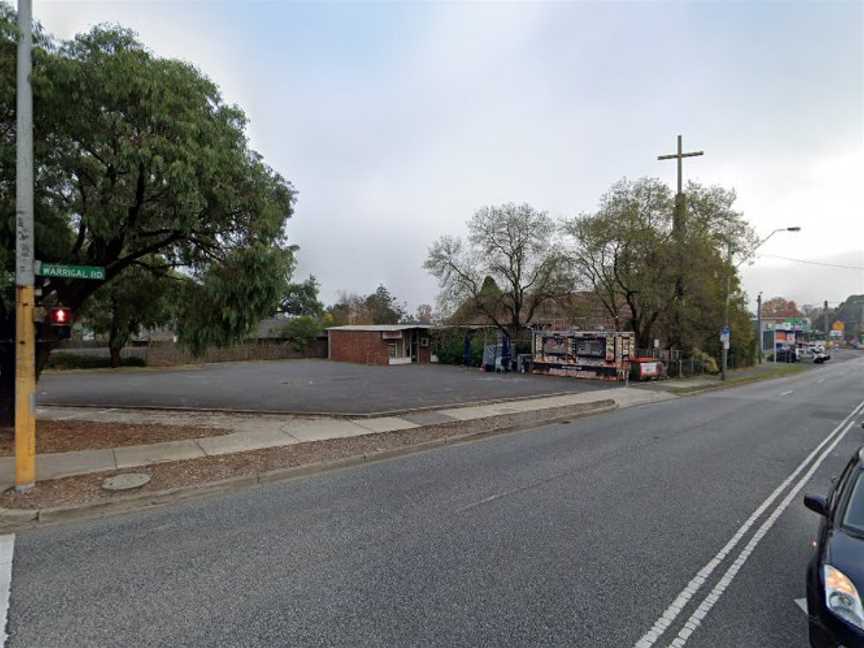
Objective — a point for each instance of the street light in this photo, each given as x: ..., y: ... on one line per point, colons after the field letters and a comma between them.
x: 725, y: 340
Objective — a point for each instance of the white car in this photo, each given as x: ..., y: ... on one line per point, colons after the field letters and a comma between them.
x: 820, y: 356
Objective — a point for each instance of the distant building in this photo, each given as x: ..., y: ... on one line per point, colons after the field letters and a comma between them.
x: 380, y: 344
x: 783, y: 331
x: 576, y: 310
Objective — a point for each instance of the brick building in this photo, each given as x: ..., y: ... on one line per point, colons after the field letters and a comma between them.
x: 381, y: 344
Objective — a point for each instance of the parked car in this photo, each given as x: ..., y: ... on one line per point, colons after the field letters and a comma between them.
x: 835, y: 575
x: 787, y: 354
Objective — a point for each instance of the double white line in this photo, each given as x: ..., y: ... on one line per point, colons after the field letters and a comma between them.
x: 672, y: 612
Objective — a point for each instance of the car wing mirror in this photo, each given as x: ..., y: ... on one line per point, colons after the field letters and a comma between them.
x: 816, y: 504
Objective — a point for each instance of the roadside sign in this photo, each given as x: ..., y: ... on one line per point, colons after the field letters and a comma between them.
x: 725, y: 330
x: 63, y: 271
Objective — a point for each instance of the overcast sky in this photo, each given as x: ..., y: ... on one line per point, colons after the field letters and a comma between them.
x: 396, y: 121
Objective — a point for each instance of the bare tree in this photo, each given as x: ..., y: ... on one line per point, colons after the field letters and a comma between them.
x: 509, y: 265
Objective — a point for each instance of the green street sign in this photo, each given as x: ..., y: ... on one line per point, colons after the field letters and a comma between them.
x: 70, y: 271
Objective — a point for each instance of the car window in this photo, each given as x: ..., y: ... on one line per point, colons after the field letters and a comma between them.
x: 853, y: 518
x: 837, y: 488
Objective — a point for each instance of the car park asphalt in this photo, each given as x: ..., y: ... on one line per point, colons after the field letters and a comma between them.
x: 310, y: 386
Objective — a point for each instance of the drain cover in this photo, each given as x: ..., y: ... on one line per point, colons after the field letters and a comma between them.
x: 126, y: 481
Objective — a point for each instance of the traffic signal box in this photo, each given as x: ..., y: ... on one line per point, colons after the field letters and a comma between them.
x: 59, y: 318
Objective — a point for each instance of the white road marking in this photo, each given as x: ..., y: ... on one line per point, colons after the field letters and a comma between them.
x: 786, y: 393
x: 801, y: 603
x: 671, y: 613
x: 820, y: 380
x: 709, y: 601
x: 7, y: 549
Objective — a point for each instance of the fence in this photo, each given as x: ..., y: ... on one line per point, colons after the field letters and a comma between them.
x: 679, y: 365
x: 167, y: 354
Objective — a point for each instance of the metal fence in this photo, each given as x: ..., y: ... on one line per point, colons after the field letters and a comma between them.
x: 679, y: 365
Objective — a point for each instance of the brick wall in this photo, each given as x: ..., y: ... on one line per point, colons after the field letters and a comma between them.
x: 168, y: 354
x: 365, y: 347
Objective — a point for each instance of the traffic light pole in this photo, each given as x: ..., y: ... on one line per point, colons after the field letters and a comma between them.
x: 25, y: 342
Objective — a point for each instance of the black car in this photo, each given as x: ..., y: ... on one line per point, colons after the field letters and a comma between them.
x: 787, y: 354
x: 835, y: 575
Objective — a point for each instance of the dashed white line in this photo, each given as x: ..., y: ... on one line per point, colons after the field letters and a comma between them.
x: 801, y: 603
x: 711, y: 599
x: 7, y: 549
x: 786, y: 393
x: 671, y: 613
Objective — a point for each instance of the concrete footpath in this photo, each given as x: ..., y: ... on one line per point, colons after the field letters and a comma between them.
x: 257, y: 432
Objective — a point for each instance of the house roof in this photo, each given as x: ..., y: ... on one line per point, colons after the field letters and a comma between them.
x: 270, y: 327
x: 378, y: 327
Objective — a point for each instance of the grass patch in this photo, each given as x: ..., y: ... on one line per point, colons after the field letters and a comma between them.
x: 781, y: 371
x: 61, y: 360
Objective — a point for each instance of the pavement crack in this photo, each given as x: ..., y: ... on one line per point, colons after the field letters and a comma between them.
x: 514, y: 491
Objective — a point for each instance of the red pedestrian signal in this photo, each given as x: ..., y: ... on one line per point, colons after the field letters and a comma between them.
x: 60, y: 316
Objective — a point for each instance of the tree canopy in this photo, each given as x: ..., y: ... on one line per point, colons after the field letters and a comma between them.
x: 509, y: 247
x: 138, y: 299
x: 301, y: 299
x: 136, y: 156
x: 780, y: 307
x: 653, y: 280
x: 379, y: 307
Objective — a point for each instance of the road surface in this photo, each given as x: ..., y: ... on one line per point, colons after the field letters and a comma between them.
x: 576, y: 534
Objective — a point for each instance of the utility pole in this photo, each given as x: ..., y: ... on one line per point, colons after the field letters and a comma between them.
x: 724, y: 344
x: 825, y: 321
x: 759, y: 327
x: 678, y: 225
x: 25, y: 343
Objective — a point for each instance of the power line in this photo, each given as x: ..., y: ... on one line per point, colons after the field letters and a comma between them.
x: 818, y: 263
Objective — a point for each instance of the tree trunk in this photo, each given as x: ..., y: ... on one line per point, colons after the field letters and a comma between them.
x: 116, y: 339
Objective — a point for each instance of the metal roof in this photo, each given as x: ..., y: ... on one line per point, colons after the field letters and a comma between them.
x: 378, y: 327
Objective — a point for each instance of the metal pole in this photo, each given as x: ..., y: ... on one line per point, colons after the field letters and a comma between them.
x: 25, y: 343
x: 680, y: 166
x: 825, y: 321
x: 759, y: 326
x: 724, y: 352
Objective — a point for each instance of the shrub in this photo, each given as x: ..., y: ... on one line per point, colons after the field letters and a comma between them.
x: 302, y: 331
x: 708, y: 362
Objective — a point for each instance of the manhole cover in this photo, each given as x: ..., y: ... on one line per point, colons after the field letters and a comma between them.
x: 126, y: 481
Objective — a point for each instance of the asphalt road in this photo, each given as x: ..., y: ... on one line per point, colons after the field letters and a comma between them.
x: 297, y: 386
x: 578, y: 534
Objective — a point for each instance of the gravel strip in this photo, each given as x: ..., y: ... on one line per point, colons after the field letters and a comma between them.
x: 66, y: 436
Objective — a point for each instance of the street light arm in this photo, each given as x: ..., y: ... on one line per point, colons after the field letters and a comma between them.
x: 765, y: 240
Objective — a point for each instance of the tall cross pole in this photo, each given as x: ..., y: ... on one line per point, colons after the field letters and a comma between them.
x: 680, y: 155
x: 677, y: 229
